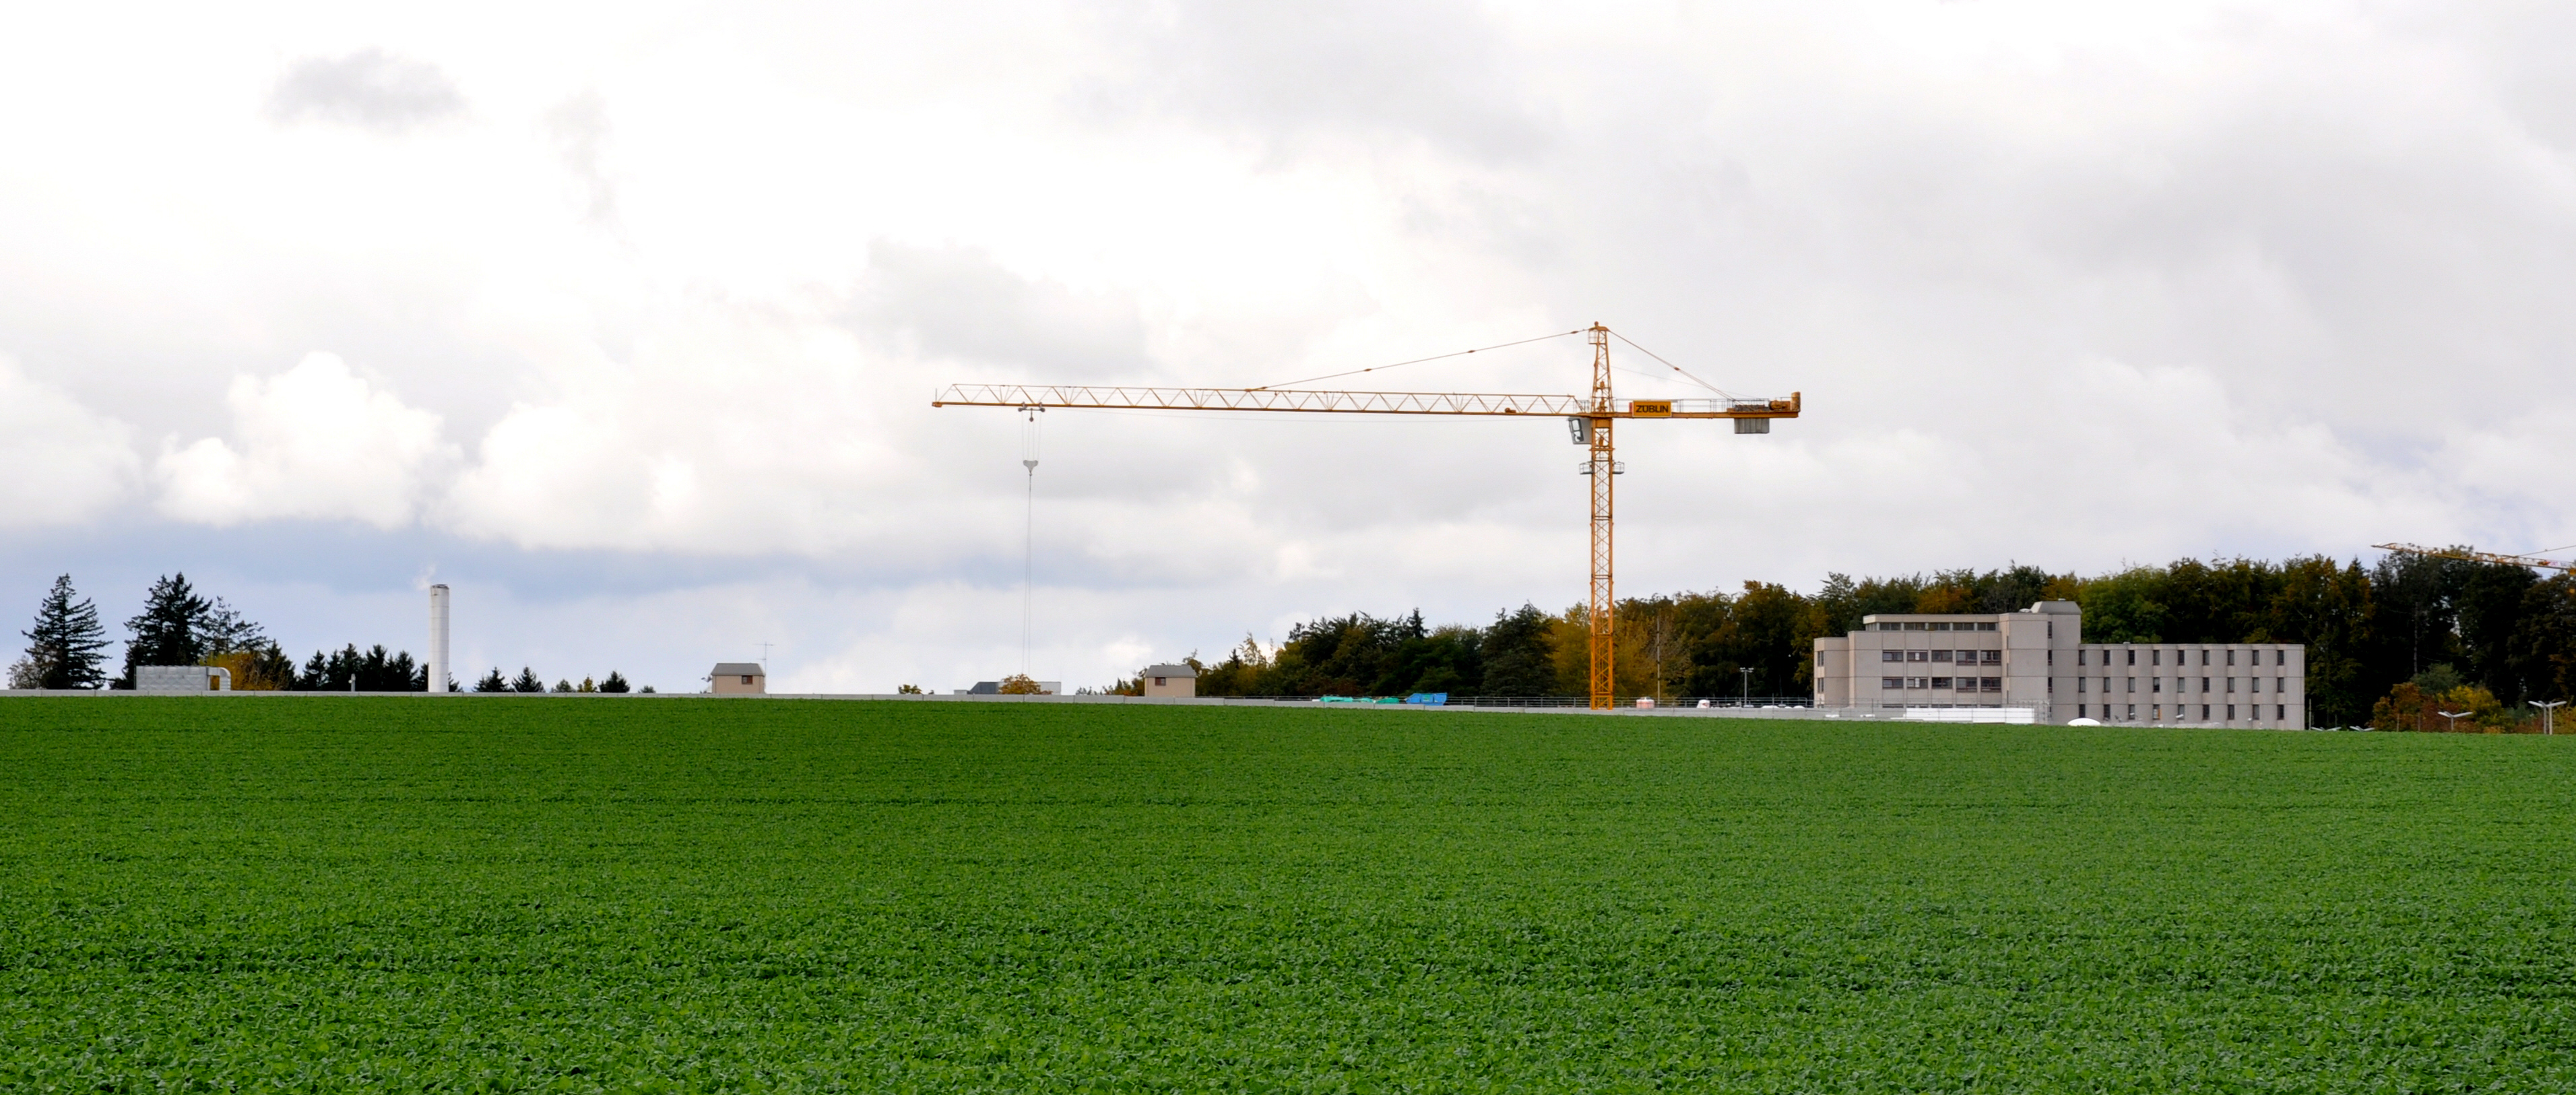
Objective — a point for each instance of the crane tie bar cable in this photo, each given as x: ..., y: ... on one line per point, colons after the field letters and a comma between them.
x: 1632, y: 343
x: 1420, y: 360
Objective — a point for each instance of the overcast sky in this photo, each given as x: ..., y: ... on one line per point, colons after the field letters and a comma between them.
x: 624, y: 320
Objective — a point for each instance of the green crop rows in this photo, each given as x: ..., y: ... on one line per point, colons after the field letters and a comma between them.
x: 571, y: 894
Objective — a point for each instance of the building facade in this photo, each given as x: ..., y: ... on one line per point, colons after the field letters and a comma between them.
x: 2037, y: 659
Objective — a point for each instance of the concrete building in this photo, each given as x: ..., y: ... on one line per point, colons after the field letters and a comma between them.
x: 739, y: 679
x: 1171, y: 680
x: 182, y: 679
x: 2037, y: 659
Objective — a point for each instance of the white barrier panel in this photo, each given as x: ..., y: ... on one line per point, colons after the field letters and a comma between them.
x: 2019, y: 715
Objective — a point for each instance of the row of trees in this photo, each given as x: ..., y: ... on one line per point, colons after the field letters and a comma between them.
x: 2429, y: 623
x: 67, y: 649
x: 528, y: 681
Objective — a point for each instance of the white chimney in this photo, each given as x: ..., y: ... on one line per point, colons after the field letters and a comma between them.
x: 438, y: 638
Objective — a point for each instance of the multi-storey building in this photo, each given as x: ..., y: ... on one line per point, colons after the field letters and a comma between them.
x: 2037, y: 658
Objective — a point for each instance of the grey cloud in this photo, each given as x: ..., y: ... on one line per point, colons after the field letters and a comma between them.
x: 1434, y: 72
x: 580, y: 130
x: 369, y: 89
x: 958, y: 302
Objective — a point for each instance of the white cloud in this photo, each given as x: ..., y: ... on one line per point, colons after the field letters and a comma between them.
x: 315, y: 443
x: 66, y: 463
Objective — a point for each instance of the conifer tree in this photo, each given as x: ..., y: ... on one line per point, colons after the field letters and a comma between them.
x: 492, y: 682
x: 169, y: 629
x: 527, y: 681
x: 614, y: 683
x: 63, y: 647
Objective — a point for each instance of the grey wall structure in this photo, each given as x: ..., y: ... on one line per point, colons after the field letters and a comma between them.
x: 169, y: 680
x: 2037, y: 658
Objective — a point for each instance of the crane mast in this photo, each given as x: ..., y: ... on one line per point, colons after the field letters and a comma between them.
x: 1591, y: 418
x: 1601, y: 631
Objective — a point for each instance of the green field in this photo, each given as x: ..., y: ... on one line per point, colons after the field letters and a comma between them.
x: 572, y: 894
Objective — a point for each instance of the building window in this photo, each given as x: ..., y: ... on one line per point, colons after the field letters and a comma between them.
x: 2231, y: 712
x: 746, y: 678
x: 2079, y: 683
x: 2204, y: 684
x: 1918, y: 655
x: 2280, y: 657
x: 2133, y: 657
x: 2204, y: 712
x: 1940, y: 682
x: 1990, y: 684
x: 2280, y: 711
x: 2280, y: 685
x: 1891, y: 627
x: 1891, y: 655
x: 1918, y: 682
x: 2051, y: 659
x: 2257, y: 683
x: 1891, y: 682
x: 1158, y: 682
x: 1996, y: 657
x: 1914, y: 625
x: 1937, y: 626
x: 2079, y: 655
x: 2155, y: 684
x: 2231, y: 684
x: 1989, y: 625
x: 2133, y: 712
x: 2133, y: 684
x: 1940, y: 655
x: 2079, y: 711
x: 2155, y: 657
x: 2231, y: 657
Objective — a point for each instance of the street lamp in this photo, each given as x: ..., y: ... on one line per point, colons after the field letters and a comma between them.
x: 2454, y: 716
x: 1748, y: 685
x: 2547, y: 724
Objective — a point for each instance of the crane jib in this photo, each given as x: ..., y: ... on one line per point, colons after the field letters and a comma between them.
x: 1344, y: 402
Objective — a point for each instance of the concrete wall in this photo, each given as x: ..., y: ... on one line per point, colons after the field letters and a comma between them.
x: 181, y: 679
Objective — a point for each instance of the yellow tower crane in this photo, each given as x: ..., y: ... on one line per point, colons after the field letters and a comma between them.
x: 1589, y: 419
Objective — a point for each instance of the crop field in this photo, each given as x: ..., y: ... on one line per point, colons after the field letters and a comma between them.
x: 635, y: 893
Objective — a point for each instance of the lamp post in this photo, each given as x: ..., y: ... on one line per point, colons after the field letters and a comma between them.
x: 2547, y: 723
x: 2454, y: 716
x: 1747, y: 698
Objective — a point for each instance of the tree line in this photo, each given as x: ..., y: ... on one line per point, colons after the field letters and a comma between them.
x: 67, y: 648
x: 2406, y: 630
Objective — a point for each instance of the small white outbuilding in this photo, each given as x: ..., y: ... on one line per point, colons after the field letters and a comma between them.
x: 1171, y: 680
x: 739, y: 679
